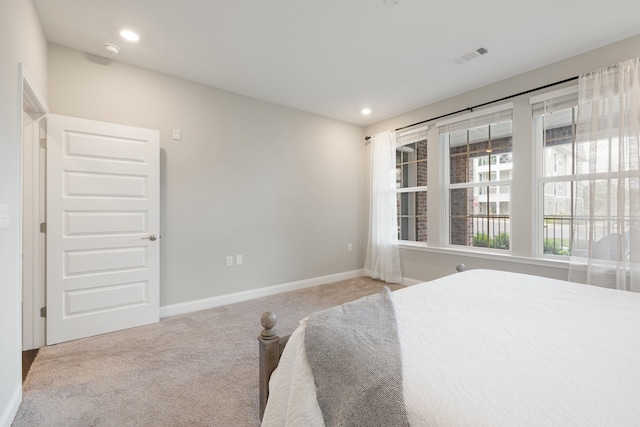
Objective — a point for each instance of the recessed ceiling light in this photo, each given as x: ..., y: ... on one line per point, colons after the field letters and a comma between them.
x: 130, y: 35
x: 366, y: 111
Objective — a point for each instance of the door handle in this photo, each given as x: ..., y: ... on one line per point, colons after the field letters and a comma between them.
x: 151, y: 237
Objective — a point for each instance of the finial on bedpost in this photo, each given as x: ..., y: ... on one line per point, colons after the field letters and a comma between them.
x: 268, y: 321
x: 269, y: 345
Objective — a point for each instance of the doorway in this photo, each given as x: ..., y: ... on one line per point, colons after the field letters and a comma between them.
x: 95, y: 267
x: 33, y: 129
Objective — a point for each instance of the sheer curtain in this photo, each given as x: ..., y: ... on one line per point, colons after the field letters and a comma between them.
x: 606, y: 194
x: 383, y: 254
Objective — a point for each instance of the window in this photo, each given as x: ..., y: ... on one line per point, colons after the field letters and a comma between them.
x: 567, y: 182
x: 478, y: 164
x: 555, y: 129
x: 411, y: 184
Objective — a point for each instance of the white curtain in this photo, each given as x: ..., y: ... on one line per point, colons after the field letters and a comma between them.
x: 606, y: 199
x: 383, y: 255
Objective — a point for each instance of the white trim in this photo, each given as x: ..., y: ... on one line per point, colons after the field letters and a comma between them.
x: 411, y: 189
x: 32, y: 102
x: 36, y: 102
x: 477, y: 113
x: 553, y: 94
x: 411, y: 136
x: 595, y: 176
x: 537, y: 244
x: 30, y: 236
x: 481, y: 184
x: 445, y: 177
x: 410, y: 131
x: 205, y: 303
x: 10, y: 411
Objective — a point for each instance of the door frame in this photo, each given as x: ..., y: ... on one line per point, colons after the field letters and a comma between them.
x: 31, y: 176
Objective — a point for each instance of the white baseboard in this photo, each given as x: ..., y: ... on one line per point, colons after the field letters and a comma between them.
x: 10, y: 411
x: 205, y: 303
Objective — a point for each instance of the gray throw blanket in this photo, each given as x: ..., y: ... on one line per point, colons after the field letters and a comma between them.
x: 354, y: 353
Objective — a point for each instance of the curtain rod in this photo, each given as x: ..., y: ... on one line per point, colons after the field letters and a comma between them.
x: 367, y: 138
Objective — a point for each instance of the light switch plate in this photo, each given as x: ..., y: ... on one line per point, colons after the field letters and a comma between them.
x: 177, y: 135
x: 4, y: 216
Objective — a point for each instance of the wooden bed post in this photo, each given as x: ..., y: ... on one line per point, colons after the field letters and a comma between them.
x: 269, y: 345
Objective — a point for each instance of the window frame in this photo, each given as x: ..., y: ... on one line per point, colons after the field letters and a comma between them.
x: 409, y: 136
x: 482, y: 117
x: 549, y: 102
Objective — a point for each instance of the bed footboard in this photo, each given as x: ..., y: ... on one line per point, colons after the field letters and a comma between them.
x: 270, y: 348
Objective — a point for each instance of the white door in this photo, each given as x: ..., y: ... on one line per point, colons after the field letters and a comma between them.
x: 102, y: 223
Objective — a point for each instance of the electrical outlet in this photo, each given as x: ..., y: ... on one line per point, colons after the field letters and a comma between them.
x: 229, y: 260
x: 349, y: 247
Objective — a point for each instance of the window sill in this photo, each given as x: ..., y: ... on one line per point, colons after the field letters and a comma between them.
x: 494, y: 256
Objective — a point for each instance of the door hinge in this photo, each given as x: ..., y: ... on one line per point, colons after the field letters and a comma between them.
x: 43, y: 143
x: 43, y: 227
x: 43, y: 312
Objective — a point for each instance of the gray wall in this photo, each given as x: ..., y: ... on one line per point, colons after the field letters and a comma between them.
x: 284, y: 188
x: 21, y: 41
x: 436, y: 261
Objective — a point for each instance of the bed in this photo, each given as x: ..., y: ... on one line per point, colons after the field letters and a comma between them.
x: 477, y: 348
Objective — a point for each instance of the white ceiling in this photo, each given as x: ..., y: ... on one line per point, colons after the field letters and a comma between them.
x: 334, y: 57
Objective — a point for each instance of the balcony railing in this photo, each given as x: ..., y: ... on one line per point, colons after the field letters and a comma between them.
x: 492, y: 231
x: 560, y: 230
x: 481, y: 230
x: 556, y: 234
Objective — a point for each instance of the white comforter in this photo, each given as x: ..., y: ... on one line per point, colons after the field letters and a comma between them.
x: 489, y: 348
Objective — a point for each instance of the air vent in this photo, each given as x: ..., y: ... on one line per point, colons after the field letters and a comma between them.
x: 469, y: 56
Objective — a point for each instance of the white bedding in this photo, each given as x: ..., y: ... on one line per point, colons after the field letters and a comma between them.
x: 489, y: 348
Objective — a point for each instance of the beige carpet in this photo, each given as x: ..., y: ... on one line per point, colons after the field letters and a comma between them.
x: 198, y: 369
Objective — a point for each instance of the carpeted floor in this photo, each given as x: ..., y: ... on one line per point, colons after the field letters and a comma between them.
x: 197, y: 369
